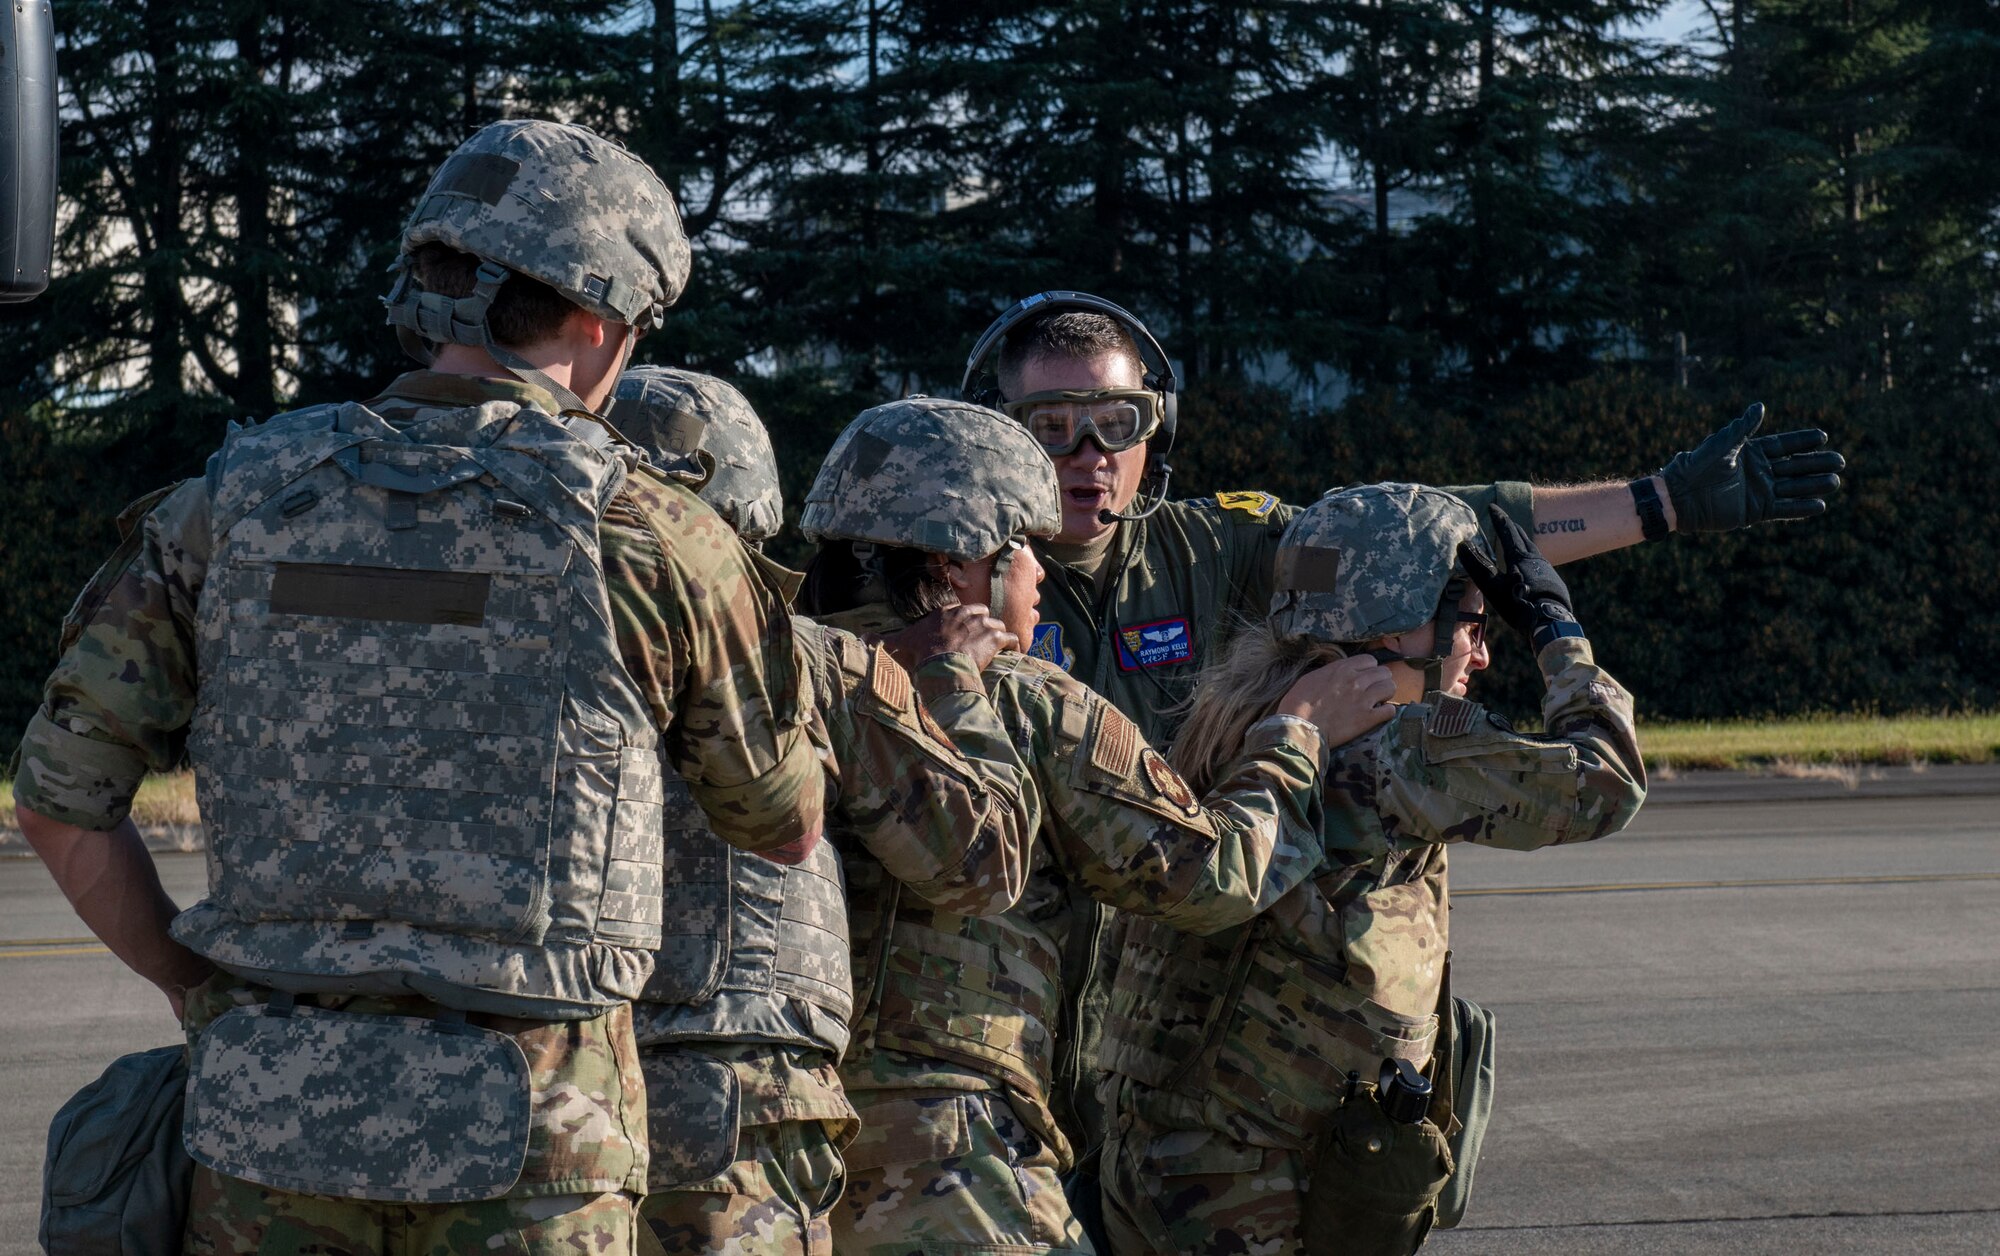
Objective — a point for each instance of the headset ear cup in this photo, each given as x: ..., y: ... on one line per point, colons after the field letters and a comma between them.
x: 1170, y: 404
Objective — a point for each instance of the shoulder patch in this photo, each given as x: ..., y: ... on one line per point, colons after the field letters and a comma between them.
x: 1047, y: 645
x: 887, y: 680
x: 1257, y: 505
x: 1117, y: 741
x: 1451, y: 717
x: 1166, y: 782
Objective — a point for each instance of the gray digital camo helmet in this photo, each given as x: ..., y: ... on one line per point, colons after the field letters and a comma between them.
x: 946, y: 477
x: 698, y: 428
x: 554, y: 201
x: 1369, y: 562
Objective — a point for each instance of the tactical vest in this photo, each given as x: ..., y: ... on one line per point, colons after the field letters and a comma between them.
x: 754, y: 951
x: 420, y: 761
x: 1271, y: 1015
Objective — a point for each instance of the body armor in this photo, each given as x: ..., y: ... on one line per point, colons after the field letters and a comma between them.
x: 375, y: 593
x: 753, y: 951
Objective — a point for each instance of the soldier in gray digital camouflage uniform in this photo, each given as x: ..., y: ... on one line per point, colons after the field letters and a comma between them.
x: 1245, y: 1112
x: 920, y: 502
x: 747, y: 1013
x: 432, y: 657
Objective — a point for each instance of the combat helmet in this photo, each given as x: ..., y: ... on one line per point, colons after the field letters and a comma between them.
x: 947, y: 477
x: 700, y: 429
x: 1375, y: 561
x: 550, y: 200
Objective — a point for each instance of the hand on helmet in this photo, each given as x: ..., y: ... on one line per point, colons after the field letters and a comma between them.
x: 1735, y: 478
x: 1528, y: 594
x: 1345, y: 698
x: 971, y: 630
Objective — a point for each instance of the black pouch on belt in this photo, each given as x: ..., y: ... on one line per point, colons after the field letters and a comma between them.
x: 1375, y: 1181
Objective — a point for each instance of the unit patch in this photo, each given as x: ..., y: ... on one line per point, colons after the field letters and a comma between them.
x: 1256, y: 505
x: 1047, y: 645
x: 1167, y: 782
x: 1156, y: 644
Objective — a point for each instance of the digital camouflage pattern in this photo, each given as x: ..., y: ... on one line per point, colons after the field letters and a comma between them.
x: 1189, y: 572
x: 377, y: 594
x: 1362, y: 563
x: 697, y: 627
x: 587, y: 1109
x: 676, y: 416
x: 367, y: 1107
x: 773, y: 1189
x: 230, y: 1217
x: 568, y: 206
x: 946, y: 477
x: 951, y: 1172
x: 955, y: 1002
x: 1347, y: 970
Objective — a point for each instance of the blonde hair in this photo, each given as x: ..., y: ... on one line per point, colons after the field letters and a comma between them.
x: 1237, y: 690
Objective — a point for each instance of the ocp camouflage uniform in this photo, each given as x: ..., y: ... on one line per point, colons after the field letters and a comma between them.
x: 749, y: 1007
x: 1137, y: 621
x: 751, y: 1164
x: 1230, y: 1054
x: 956, y: 1045
x: 697, y: 630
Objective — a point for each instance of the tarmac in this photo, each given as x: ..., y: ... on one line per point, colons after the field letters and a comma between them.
x: 1766, y: 1019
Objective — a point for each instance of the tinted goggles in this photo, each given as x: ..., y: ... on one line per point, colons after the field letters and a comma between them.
x: 1116, y: 418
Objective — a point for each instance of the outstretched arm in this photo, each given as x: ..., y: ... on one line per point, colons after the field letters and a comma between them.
x: 1734, y: 479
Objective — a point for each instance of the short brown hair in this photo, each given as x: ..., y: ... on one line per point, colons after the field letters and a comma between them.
x: 1072, y: 335
x: 525, y: 311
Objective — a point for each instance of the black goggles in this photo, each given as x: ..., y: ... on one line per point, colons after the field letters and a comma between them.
x: 1116, y: 418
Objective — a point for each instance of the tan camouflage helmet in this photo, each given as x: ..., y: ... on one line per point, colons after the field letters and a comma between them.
x: 555, y: 201
x: 1368, y: 562
x: 701, y: 429
x: 946, y: 477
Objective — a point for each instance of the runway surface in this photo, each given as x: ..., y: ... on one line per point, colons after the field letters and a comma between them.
x: 1742, y: 1027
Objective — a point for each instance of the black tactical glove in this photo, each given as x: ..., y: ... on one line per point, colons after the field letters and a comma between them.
x: 1529, y: 594
x: 1732, y: 479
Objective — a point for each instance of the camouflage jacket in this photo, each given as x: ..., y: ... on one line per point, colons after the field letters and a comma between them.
x: 1172, y: 587
x: 948, y: 1000
x: 1346, y: 970
x: 698, y: 628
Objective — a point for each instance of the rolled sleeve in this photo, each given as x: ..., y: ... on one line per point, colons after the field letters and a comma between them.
x: 75, y: 777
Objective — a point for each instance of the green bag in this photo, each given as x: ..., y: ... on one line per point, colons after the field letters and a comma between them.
x: 116, y: 1178
x: 1469, y: 1057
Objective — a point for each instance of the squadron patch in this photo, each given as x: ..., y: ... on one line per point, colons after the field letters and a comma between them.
x: 1167, y: 782
x: 1162, y: 642
x: 1257, y: 505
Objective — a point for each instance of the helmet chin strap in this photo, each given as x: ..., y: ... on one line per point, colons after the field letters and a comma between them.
x: 1443, y: 639
x: 996, y: 598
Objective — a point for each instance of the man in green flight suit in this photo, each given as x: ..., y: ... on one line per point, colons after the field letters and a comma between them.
x: 1140, y: 595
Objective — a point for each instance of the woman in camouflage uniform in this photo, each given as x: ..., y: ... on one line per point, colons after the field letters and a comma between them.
x: 956, y: 1031
x: 1268, y: 1083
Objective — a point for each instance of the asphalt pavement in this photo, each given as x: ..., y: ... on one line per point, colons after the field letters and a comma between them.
x: 1762, y: 1021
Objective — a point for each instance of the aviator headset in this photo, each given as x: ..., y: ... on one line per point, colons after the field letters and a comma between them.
x: 1159, y: 378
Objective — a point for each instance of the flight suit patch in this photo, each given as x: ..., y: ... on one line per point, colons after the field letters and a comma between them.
x: 1167, y: 782
x: 1158, y: 644
x: 1255, y: 504
x: 1047, y: 645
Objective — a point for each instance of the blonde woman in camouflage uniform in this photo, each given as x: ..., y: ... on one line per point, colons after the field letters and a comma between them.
x: 429, y: 655
x: 921, y: 503
x: 1267, y: 1084
x: 747, y: 1013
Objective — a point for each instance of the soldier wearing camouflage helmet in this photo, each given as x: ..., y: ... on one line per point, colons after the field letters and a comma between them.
x: 957, y: 1031
x: 747, y: 1013
x: 1144, y: 591
x: 429, y: 655
x: 703, y: 430
x: 1307, y: 1082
